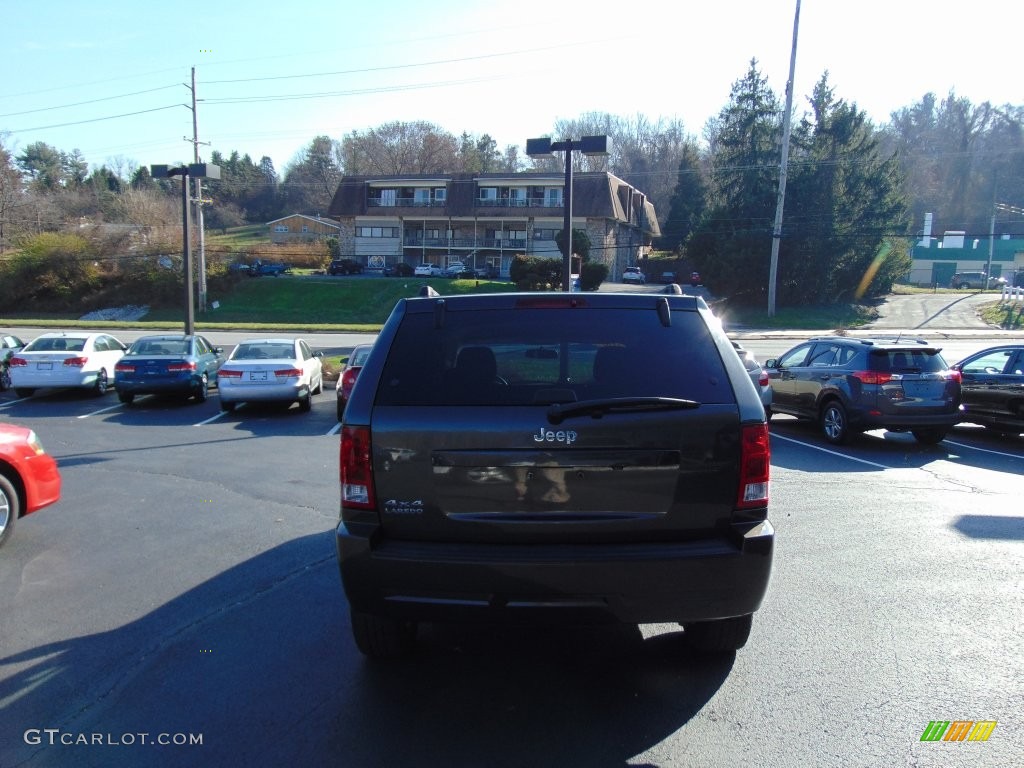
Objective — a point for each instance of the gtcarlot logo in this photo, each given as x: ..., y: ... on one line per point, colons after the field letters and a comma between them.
x: 56, y: 737
x: 958, y: 730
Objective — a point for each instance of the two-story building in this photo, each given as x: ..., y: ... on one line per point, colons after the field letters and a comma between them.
x: 484, y: 220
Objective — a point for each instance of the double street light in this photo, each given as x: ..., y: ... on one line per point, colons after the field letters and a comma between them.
x: 544, y: 147
x: 196, y: 171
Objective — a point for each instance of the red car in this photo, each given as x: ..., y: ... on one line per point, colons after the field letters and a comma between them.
x: 353, y: 366
x: 29, y: 479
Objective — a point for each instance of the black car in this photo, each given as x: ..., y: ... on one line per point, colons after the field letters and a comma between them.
x: 345, y: 267
x: 850, y: 385
x: 554, y: 456
x: 993, y: 388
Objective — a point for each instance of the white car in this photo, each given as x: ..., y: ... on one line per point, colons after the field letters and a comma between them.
x: 428, y: 270
x: 758, y: 376
x: 66, y: 359
x: 269, y: 370
x: 634, y: 275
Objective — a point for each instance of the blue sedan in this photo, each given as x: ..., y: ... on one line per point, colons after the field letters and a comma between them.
x: 172, y: 364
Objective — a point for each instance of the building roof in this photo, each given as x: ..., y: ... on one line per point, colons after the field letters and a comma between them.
x: 316, y: 219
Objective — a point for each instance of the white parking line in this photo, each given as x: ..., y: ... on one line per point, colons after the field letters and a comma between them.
x: 335, y: 429
x: 101, y: 410
x: 775, y: 436
x: 983, y: 450
x: 213, y: 418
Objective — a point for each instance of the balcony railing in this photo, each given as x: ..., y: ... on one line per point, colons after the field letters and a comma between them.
x: 483, y: 242
x: 404, y: 202
x: 524, y: 202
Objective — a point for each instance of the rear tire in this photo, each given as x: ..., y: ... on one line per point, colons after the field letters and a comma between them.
x: 929, y: 436
x: 382, y: 637
x: 24, y: 391
x: 5, y: 379
x: 204, y: 390
x: 720, y: 636
x: 834, y: 424
x: 126, y: 397
x: 341, y: 410
x: 227, y: 407
x: 306, y: 403
x: 102, y: 383
x: 9, y: 509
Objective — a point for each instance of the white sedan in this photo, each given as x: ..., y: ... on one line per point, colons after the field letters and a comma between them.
x: 267, y: 370
x: 66, y: 359
x: 428, y: 270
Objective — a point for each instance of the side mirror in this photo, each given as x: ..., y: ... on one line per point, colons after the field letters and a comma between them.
x: 772, y: 363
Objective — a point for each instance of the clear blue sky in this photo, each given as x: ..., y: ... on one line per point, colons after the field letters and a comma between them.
x: 109, y: 77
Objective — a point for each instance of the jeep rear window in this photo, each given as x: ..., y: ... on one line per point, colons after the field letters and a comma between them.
x: 541, y: 356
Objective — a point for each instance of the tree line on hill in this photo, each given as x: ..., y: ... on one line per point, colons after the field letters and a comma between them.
x: 856, y: 195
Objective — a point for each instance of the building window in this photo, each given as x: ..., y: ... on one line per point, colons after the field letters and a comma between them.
x: 280, y: 227
x: 421, y: 196
x: 376, y: 231
x: 440, y: 194
x: 305, y: 229
x: 545, y: 234
x: 553, y: 195
x: 488, y: 193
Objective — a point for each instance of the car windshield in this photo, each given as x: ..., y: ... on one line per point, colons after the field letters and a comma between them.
x: 159, y: 347
x: 263, y: 351
x: 56, y: 344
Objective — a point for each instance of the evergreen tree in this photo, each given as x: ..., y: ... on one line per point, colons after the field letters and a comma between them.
x: 688, y: 202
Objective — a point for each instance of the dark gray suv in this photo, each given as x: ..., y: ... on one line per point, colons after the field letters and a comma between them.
x: 554, y: 457
x: 849, y: 385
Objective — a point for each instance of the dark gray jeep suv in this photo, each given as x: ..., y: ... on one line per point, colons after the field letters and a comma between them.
x: 554, y: 456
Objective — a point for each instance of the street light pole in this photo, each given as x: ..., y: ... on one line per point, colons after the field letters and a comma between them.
x: 196, y: 171
x: 544, y: 147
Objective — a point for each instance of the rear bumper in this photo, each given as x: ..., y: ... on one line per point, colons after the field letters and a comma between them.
x: 251, y: 393
x: 634, y: 583
x: 899, y: 421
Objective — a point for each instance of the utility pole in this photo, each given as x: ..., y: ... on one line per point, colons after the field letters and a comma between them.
x: 198, y: 196
x: 773, y: 270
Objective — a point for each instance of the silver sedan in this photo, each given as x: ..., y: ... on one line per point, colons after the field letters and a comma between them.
x: 269, y: 370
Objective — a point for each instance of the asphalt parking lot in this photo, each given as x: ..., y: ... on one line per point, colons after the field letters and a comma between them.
x: 186, y: 585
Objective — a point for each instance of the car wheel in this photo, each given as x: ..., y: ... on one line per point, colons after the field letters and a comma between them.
x: 319, y: 386
x: 341, y: 409
x: 126, y: 397
x: 930, y: 436
x: 227, y: 407
x: 382, y: 637
x: 8, y: 509
x: 204, y: 389
x: 720, y: 636
x: 834, y: 424
x: 306, y: 403
x: 5, y: 380
x: 100, y: 387
x: 23, y: 391
x: 768, y: 414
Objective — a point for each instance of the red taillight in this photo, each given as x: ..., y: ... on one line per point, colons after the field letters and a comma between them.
x: 288, y: 373
x: 124, y: 368
x: 755, y: 464
x: 763, y: 380
x: 181, y: 367
x: 76, y: 362
x: 356, y: 469
x: 348, y: 378
x: 954, y: 375
x: 228, y: 373
x: 872, y: 377
x: 17, y: 362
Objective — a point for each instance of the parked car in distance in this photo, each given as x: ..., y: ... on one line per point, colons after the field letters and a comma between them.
x: 347, y: 380
x: 993, y: 388
x: 975, y: 281
x: 516, y: 455
x: 634, y: 275
x: 345, y: 267
x: 667, y: 277
x: 8, y: 346
x: 168, y: 364
x: 29, y: 478
x: 427, y: 270
x: 271, y: 370
x: 259, y: 269
x: 66, y: 359
x: 849, y: 385
x: 758, y: 376
x: 455, y: 269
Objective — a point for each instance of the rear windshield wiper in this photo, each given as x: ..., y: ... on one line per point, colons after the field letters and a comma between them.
x: 559, y: 412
